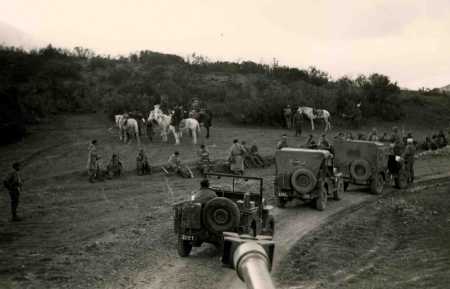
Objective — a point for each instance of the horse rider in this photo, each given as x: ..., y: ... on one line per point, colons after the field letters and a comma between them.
x: 283, y: 142
x: 114, y: 168
x: 287, y: 112
x: 13, y: 183
x: 93, y: 163
x: 204, y: 194
x: 408, y: 156
x: 142, y: 165
x: 236, y: 158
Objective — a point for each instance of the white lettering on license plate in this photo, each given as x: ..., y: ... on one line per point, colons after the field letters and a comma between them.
x: 187, y: 238
x: 282, y: 194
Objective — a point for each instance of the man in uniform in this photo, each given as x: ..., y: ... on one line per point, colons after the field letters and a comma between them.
x: 204, y: 161
x: 13, y: 184
x: 287, y: 112
x: 373, y: 135
x: 283, y: 142
x: 204, y: 194
x: 236, y: 158
x: 175, y: 165
x: 324, y: 144
x: 298, y: 122
x: 114, y: 168
x: 396, y: 140
x: 93, y: 165
x: 142, y: 165
x: 408, y: 156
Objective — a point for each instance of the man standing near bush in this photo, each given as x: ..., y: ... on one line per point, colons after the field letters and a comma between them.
x: 287, y: 112
x: 14, y: 185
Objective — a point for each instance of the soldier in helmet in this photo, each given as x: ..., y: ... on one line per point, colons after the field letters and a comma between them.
x: 13, y: 184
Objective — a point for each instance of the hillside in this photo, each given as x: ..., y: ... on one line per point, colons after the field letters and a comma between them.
x: 11, y: 36
x: 446, y: 88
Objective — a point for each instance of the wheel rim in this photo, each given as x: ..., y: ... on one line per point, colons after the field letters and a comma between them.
x: 221, y: 216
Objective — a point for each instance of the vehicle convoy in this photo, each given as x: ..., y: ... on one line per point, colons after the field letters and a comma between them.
x: 231, y: 210
x: 306, y: 174
x: 362, y: 163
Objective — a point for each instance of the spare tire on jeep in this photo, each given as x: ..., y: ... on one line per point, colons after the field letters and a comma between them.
x: 303, y: 180
x: 220, y: 215
x: 360, y: 170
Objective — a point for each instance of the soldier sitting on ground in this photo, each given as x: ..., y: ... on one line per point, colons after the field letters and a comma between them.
x: 114, y: 168
x: 142, y: 165
x: 309, y: 141
x: 361, y: 136
x: 257, y: 158
x: 248, y: 160
x: 283, y: 142
x: 384, y: 137
x: 350, y: 136
x: 373, y: 135
x: 175, y: 165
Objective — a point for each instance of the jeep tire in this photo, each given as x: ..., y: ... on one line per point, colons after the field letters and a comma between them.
x: 303, y: 180
x: 377, y: 184
x: 221, y: 214
x: 360, y: 170
x: 183, y: 247
x: 321, y: 200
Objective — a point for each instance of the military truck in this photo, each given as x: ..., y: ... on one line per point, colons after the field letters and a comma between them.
x: 233, y: 210
x: 306, y: 174
x: 362, y: 163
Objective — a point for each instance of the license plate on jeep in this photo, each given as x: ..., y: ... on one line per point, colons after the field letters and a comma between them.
x: 282, y: 194
x: 187, y: 237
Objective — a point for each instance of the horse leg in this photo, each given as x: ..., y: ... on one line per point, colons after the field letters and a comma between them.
x: 312, y: 123
x: 194, y: 136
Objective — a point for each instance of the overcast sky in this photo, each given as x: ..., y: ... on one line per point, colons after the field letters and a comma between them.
x: 408, y: 40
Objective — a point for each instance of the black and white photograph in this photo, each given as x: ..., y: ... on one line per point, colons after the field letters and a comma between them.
x: 201, y: 144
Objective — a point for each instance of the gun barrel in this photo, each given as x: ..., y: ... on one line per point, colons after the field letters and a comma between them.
x: 252, y: 265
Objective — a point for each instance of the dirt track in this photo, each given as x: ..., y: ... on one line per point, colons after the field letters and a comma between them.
x: 118, y: 234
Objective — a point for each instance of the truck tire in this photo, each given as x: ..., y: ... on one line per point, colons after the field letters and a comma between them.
x: 183, y: 247
x: 221, y: 214
x: 377, y: 184
x: 360, y: 170
x: 303, y: 180
x: 321, y: 200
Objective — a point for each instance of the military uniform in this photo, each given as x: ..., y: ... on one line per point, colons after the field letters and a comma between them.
x: 14, y: 183
x: 282, y: 144
x: 114, y: 167
x: 204, y: 161
x: 298, y: 122
x: 93, y: 166
x: 236, y: 158
x: 142, y: 165
x: 287, y: 111
x: 408, y: 155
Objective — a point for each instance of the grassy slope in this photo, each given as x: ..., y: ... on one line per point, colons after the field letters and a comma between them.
x: 401, y: 241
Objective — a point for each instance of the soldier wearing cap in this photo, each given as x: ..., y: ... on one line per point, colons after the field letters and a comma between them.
x: 408, y: 156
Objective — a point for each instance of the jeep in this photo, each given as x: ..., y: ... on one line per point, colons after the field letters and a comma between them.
x: 362, y: 163
x: 233, y: 210
x: 306, y: 174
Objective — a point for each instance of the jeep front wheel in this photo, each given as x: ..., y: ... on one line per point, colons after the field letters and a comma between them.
x: 377, y: 184
x: 321, y: 200
x: 184, y: 247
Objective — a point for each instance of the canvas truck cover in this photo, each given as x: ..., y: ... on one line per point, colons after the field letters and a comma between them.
x: 289, y: 159
x: 348, y: 151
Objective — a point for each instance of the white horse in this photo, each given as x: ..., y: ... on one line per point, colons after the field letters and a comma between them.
x: 165, y: 124
x: 313, y: 114
x: 127, y: 127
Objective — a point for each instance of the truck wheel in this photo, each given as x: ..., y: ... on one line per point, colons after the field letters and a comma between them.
x: 321, y: 200
x: 303, y: 180
x: 339, y: 190
x: 377, y: 184
x: 184, y: 247
x: 281, y: 202
x: 360, y: 170
x: 221, y: 214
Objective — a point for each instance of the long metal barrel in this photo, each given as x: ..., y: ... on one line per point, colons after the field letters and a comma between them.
x: 252, y: 265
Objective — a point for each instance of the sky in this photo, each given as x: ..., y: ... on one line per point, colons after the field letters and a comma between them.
x: 408, y: 40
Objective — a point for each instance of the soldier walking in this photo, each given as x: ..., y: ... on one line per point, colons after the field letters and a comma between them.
x: 13, y: 184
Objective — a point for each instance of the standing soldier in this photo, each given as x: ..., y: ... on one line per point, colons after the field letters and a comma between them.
x: 287, y: 112
x: 204, y: 162
x: 13, y: 184
x: 93, y: 162
x: 408, y: 156
x: 114, y: 168
x: 236, y: 158
x: 298, y: 122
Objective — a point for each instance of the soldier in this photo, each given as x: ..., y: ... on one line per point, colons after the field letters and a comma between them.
x: 257, y: 158
x: 13, y: 183
x: 340, y: 136
x: 384, y: 137
x: 373, y: 135
x: 142, y: 165
x: 408, y: 156
x: 205, y: 193
x: 309, y: 141
x: 298, y: 122
x: 248, y: 161
x: 323, y: 143
x: 350, y: 136
x: 175, y: 164
x: 442, y: 139
x: 287, y: 112
x: 204, y: 161
x: 236, y: 158
x: 283, y: 142
x: 114, y: 168
x: 93, y: 165
x: 397, y: 142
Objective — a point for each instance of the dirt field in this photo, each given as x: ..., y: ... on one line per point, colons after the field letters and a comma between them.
x: 118, y: 234
x: 400, y: 241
